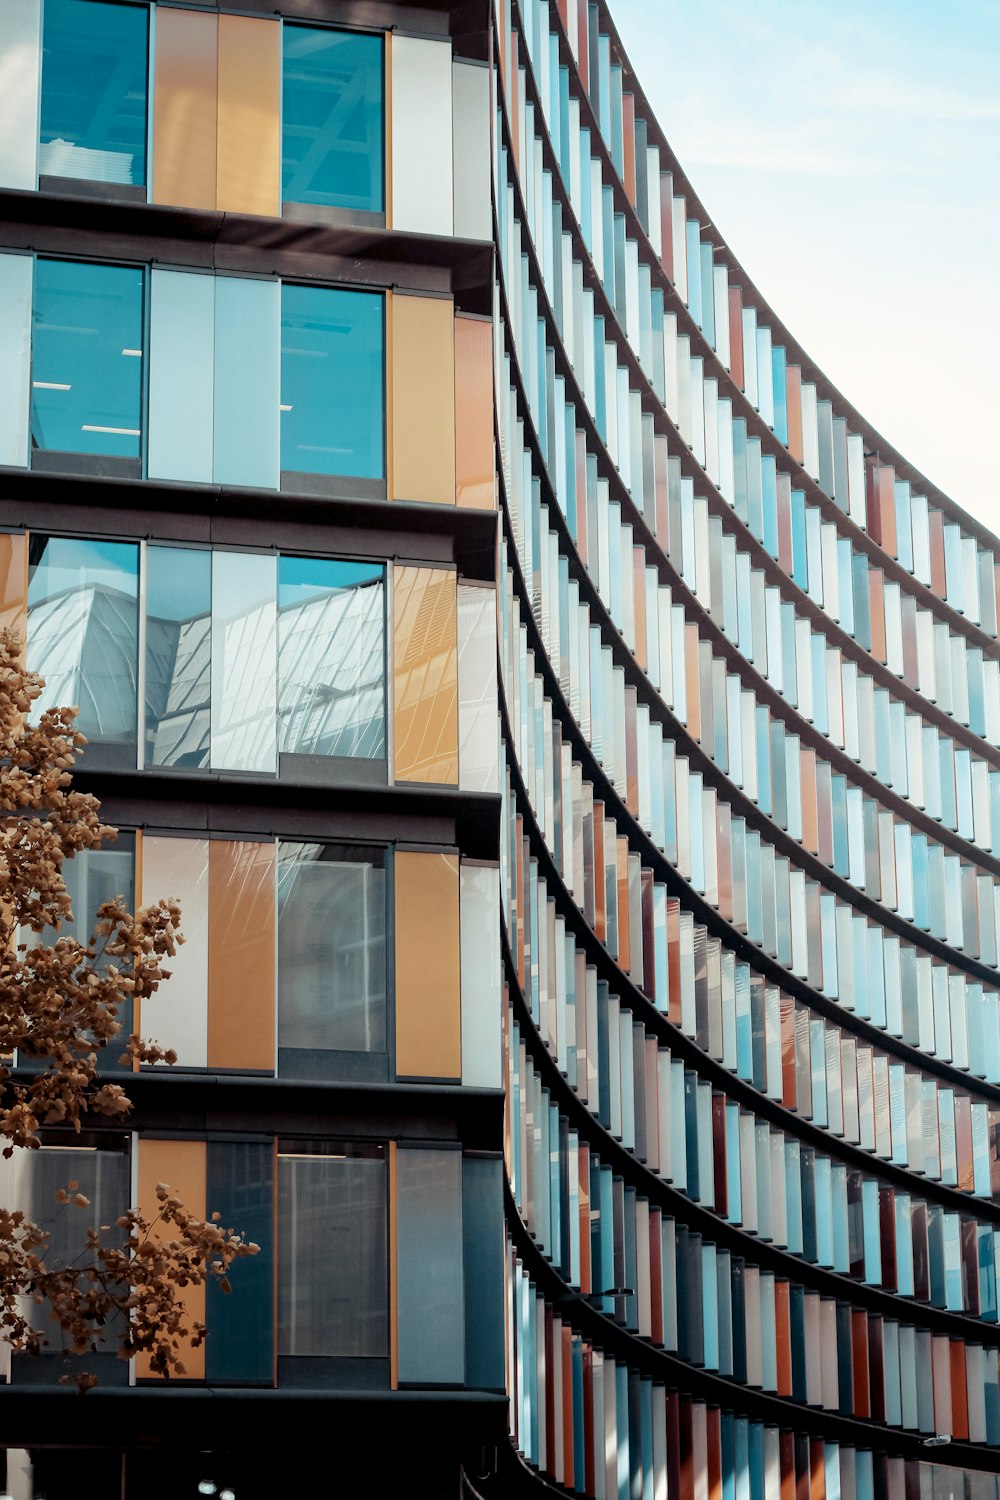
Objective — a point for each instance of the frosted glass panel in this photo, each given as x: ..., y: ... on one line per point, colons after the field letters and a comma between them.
x: 244, y: 662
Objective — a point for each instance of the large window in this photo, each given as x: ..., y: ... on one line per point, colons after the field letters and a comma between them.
x: 331, y: 960
x: 332, y: 382
x: 332, y: 1260
x: 249, y: 656
x: 93, y: 116
x: 103, y: 1177
x: 86, y: 363
x: 83, y: 638
x: 332, y: 132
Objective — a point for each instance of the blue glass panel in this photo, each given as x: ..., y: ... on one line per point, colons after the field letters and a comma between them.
x: 240, y: 1186
x: 332, y: 382
x: 93, y: 116
x: 86, y: 375
x: 178, y: 656
x: 332, y: 109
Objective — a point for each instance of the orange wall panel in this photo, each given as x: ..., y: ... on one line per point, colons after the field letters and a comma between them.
x: 241, y: 957
x: 14, y: 583
x: 474, y: 413
x: 428, y: 992
x: 185, y: 108
x: 422, y: 397
x: 425, y: 675
x: 249, y: 139
x: 182, y: 1165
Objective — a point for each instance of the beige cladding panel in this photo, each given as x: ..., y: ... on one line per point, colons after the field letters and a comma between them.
x: 422, y: 396
x: 428, y: 992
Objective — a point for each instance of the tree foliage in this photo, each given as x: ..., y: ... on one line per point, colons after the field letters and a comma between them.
x: 60, y: 1000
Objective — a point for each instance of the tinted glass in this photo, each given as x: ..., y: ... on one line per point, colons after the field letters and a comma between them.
x: 93, y: 122
x: 178, y: 656
x: 331, y: 948
x: 332, y: 1265
x: 86, y: 374
x: 332, y: 119
x: 332, y: 383
x: 83, y: 632
x: 331, y: 658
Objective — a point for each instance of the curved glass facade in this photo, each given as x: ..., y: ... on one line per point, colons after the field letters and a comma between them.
x: 750, y: 704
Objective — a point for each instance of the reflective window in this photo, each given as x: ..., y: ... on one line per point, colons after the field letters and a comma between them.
x: 178, y: 656
x: 332, y: 382
x: 86, y: 372
x: 331, y: 658
x: 103, y: 1178
x: 83, y: 637
x: 331, y: 953
x: 332, y: 119
x: 332, y: 1261
x: 93, y: 117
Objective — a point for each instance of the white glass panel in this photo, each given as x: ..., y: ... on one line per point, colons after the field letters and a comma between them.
x: 244, y: 662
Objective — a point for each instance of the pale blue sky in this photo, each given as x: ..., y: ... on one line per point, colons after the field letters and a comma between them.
x: 850, y: 155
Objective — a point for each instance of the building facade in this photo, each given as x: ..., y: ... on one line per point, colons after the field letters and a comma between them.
x: 587, y: 831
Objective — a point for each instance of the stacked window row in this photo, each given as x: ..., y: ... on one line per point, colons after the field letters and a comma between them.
x: 797, y: 660
x: 244, y: 114
x: 839, y: 580
x: 735, y: 1015
x: 732, y: 1163
x: 925, y: 540
x: 819, y: 939
x: 603, y: 1429
x: 870, y: 846
x: 415, y: 1206
x: 239, y: 380
x: 185, y: 658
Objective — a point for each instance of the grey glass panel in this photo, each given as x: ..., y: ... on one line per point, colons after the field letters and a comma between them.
x: 332, y: 382
x: 103, y: 1177
x: 178, y: 656
x: 94, y: 63
x: 83, y: 634
x: 331, y: 658
x: 332, y: 111
x: 86, y: 371
x: 331, y: 948
x: 429, y: 1276
x: 332, y: 1261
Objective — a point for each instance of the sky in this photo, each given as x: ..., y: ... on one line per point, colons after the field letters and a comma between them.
x: 849, y: 154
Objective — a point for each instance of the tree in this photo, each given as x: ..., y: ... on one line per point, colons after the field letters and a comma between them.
x: 60, y: 1000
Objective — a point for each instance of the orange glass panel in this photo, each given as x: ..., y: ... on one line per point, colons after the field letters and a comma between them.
x: 425, y: 675
x: 783, y: 1338
x: 474, y: 413
x: 428, y: 995
x: 241, y: 915
x: 422, y: 388
x: 959, y: 1392
x: 14, y: 583
x: 935, y: 525
x: 639, y: 594
x: 736, y: 335
x: 248, y: 165
x: 667, y: 224
x: 713, y: 1445
x: 628, y: 142
x: 180, y: 1164
x: 876, y: 607
x: 793, y: 399
x: 185, y: 108
x: 787, y: 1023
x: 674, y: 959
x: 887, y: 507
